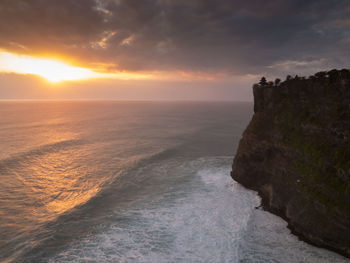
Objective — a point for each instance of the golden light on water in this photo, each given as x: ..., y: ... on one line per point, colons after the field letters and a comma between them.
x: 54, y: 70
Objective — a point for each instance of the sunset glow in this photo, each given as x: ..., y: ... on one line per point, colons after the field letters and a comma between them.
x: 54, y: 70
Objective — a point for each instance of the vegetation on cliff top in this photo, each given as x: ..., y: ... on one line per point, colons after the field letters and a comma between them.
x: 328, y: 76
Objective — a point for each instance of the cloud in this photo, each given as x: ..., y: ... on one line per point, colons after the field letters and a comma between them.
x: 301, y: 67
x: 233, y: 37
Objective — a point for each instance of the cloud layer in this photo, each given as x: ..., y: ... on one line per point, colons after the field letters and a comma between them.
x: 234, y: 37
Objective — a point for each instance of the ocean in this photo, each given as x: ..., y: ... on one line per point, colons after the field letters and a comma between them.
x: 109, y: 181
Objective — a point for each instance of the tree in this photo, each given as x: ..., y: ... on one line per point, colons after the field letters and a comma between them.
x: 263, y: 81
x: 289, y: 77
x: 277, y: 82
x: 312, y: 78
x: 333, y: 75
x: 345, y: 73
x: 321, y: 74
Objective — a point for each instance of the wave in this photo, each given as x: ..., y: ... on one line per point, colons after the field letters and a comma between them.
x: 177, y: 225
x: 16, y: 159
x: 201, y: 215
x: 126, y: 186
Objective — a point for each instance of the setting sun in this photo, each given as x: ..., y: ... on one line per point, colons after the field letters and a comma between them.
x: 51, y: 70
x: 55, y: 71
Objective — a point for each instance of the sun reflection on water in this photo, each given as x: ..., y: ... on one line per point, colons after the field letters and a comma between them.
x: 58, y: 184
x: 50, y: 177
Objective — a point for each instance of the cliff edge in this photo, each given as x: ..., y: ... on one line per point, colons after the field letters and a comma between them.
x: 296, y: 153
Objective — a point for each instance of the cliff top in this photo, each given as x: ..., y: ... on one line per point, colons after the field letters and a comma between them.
x: 322, y: 84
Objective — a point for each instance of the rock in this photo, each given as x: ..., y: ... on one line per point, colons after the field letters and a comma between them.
x: 296, y: 153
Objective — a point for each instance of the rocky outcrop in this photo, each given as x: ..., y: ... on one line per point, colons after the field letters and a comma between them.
x: 296, y: 153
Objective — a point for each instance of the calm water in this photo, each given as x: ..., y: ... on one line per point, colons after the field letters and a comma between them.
x: 132, y: 182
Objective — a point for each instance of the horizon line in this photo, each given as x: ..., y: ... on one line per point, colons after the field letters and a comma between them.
x: 122, y: 100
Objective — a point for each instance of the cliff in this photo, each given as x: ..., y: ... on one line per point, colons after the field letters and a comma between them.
x: 296, y: 153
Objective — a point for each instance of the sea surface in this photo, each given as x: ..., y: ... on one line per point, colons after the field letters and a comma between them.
x: 133, y: 182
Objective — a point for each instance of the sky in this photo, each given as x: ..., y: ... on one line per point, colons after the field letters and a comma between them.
x: 165, y: 49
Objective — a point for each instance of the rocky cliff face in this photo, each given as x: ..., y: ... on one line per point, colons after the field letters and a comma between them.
x: 296, y: 153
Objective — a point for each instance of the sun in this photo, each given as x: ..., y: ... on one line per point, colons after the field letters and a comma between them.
x: 52, y: 70
x: 56, y: 71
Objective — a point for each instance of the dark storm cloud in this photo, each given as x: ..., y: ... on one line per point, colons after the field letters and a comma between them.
x: 198, y: 35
